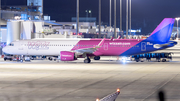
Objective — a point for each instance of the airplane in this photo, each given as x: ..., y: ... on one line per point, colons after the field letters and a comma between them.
x: 110, y: 97
x: 72, y: 49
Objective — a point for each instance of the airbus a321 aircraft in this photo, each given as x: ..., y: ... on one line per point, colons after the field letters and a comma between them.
x: 72, y: 49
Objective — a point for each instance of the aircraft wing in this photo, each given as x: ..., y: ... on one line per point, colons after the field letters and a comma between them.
x: 89, y: 50
x: 111, y: 97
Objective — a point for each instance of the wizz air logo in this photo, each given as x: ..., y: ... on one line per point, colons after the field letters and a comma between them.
x: 119, y: 43
x: 38, y: 45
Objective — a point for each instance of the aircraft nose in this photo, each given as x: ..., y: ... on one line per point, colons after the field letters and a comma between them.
x: 5, y: 50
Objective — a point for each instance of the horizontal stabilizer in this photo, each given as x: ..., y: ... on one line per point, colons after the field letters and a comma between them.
x: 172, y: 43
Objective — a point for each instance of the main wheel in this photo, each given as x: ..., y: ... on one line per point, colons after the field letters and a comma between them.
x: 50, y: 58
x: 97, y: 58
x: 137, y: 60
x: 164, y: 60
x: 87, y: 61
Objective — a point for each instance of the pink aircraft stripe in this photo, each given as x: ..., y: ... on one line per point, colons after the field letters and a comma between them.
x: 107, y: 47
x: 116, y: 48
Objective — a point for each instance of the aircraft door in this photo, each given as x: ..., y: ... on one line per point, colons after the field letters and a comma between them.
x: 105, y: 46
x: 20, y: 46
x: 143, y: 46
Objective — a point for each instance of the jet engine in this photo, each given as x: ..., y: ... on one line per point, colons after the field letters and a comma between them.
x: 67, y: 56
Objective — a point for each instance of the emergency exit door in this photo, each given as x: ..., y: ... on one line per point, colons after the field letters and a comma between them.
x: 105, y: 46
x: 143, y: 46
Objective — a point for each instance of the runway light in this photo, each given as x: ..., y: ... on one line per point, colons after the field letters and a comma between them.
x: 97, y: 99
x: 118, y: 90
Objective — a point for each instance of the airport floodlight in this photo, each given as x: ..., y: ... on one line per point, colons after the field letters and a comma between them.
x: 130, y: 16
x: 89, y: 11
x: 115, y: 32
x: 99, y: 19
x: 120, y: 15
x: 178, y: 18
x: 127, y: 19
x: 110, y: 13
x: 77, y: 18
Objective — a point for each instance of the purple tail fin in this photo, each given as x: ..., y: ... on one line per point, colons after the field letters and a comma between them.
x: 163, y: 31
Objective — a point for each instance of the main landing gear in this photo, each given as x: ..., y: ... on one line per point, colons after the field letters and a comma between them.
x: 87, y: 60
x: 97, y: 58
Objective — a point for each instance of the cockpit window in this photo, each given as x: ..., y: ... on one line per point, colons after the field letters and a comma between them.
x: 11, y: 44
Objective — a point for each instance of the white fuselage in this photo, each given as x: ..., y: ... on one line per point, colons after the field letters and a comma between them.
x: 41, y: 46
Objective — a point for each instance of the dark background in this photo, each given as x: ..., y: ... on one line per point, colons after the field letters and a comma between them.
x: 146, y: 14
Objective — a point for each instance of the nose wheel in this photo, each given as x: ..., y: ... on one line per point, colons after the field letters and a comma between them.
x: 88, y: 60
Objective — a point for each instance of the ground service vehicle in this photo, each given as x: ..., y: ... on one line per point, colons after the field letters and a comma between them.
x: 152, y: 56
x: 8, y: 57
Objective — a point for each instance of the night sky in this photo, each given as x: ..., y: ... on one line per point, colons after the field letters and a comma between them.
x: 146, y: 14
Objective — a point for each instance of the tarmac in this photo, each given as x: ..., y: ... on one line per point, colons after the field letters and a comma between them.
x: 43, y: 80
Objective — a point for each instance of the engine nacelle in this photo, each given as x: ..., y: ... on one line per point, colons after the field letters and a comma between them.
x: 67, y: 56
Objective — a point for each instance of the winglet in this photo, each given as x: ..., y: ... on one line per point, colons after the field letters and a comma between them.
x: 102, y: 42
x: 112, y: 38
x: 119, y: 37
x: 111, y: 97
